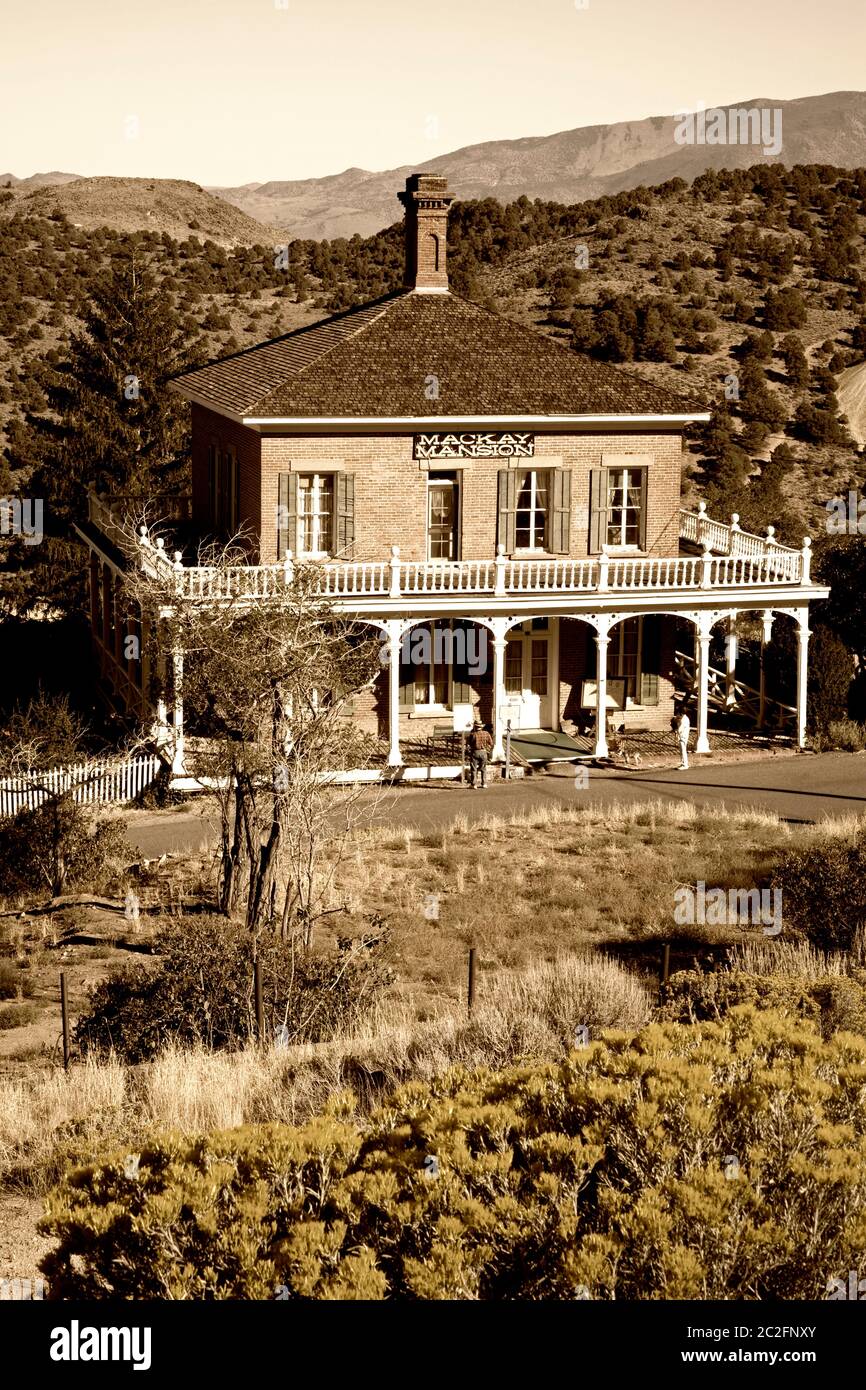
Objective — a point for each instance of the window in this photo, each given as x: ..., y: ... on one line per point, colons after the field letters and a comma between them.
x: 618, y: 505
x: 315, y: 513
x: 624, y: 656
x: 514, y: 666
x: 532, y: 510
x: 442, y: 513
x: 624, y: 502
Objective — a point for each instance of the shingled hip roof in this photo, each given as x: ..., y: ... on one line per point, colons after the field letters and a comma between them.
x: 418, y: 355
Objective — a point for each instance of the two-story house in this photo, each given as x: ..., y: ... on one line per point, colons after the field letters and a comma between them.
x: 504, y: 511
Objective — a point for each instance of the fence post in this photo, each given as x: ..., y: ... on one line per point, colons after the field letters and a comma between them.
x: 666, y: 964
x: 470, y: 996
x: 260, y: 1010
x: 64, y: 1014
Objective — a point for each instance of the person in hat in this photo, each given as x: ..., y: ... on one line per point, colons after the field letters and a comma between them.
x: 480, y: 746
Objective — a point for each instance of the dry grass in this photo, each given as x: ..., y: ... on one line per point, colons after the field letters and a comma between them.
x: 554, y: 880
x: 53, y: 1119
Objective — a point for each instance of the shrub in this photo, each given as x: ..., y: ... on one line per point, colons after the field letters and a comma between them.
x: 690, y: 1162
x: 847, y: 734
x: 58, y: 846
x: 832, y: 1003
x: 201, y: 993
x: 13, y: 983
x: 824, y: 893
x: 16, y: 1015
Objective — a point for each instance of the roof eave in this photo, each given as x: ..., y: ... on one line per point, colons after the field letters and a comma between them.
x: 439, y: 422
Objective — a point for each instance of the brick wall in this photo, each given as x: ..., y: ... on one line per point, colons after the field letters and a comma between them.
x: 209, y: 428
x: 391, y: 495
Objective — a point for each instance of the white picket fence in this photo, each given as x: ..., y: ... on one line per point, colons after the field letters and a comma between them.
x: 90, y: 782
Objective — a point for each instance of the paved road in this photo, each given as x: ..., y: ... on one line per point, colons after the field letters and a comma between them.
x: 804, y: 788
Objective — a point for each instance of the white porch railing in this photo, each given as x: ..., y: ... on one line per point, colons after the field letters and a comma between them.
x: 89, y: 783
x: 728, y: 540
x: 751, y: 562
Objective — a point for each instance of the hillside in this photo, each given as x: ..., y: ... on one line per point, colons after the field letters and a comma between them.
x: 750, y: 283
x: 171, y: 206
x: 567, y: 167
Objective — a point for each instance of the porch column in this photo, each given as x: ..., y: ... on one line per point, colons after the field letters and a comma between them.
x: 500, y: 641
x: 601, y: 644
x: 802, y: 676
x: 395, y: 632
x: 178, y: 767
x: 703, y: 641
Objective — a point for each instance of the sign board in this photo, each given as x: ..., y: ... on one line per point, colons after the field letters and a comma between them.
x: 615, y: 695
x: 490, y: 445
x: 464, y: 719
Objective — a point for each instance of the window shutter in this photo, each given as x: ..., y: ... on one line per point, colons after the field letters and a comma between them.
x: 461, y: 689
x: 597, y: 509
x: 559, y: 540
x: 643, y: 491
x: 344, y: 515
x: 236, y: 492
x: 287, y: 513
x: 507, y: 531
x: 650, y: 659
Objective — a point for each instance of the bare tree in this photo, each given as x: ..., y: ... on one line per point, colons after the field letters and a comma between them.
x: 266, y: 680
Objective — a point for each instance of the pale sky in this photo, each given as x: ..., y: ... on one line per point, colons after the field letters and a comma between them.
x: 236, y: 91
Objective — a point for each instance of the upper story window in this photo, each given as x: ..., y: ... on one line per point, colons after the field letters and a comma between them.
x: 315, y: 518
x: 442, y: 516
x: 625, y: 490
x: 535, y: 510
x: 315, y: 515
x: 532, y: 510
x: 618, y: 504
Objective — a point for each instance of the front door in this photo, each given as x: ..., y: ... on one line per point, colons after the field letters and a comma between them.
x: 527, y: 676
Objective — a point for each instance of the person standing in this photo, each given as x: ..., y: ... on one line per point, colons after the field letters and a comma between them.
x: 480, y: 746
x: 683, y: 727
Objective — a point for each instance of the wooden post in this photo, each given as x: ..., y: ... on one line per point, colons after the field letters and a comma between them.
x: 463, y: 756
x: 260, y: 1010
x: 508, y: 750
x: 666, y: 963
x: 470, y: 997
x: 64, y: 1013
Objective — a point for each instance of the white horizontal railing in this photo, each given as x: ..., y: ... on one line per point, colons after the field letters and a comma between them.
x: 731, y: 559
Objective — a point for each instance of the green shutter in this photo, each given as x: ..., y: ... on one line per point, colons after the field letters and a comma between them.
x: 650, y: 659
x: 287, y: 513
x: 461, y: 689
x: 597, y: 509
x: 507, y: 532
x: 643, y: 493
x: 344, y: 515
x: 559, y: 540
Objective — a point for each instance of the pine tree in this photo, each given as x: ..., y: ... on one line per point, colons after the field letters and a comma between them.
x: 115, y: 427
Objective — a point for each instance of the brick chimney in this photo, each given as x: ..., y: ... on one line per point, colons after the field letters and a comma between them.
x: 426, y: 201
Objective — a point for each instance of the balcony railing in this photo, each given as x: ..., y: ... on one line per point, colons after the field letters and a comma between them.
x: 770, y: 565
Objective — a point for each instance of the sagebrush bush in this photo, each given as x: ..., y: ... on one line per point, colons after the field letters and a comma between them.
x: 711, y: 1161
x: 834, y: 1003
x: 824, y: 893
x: 201, y: 992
